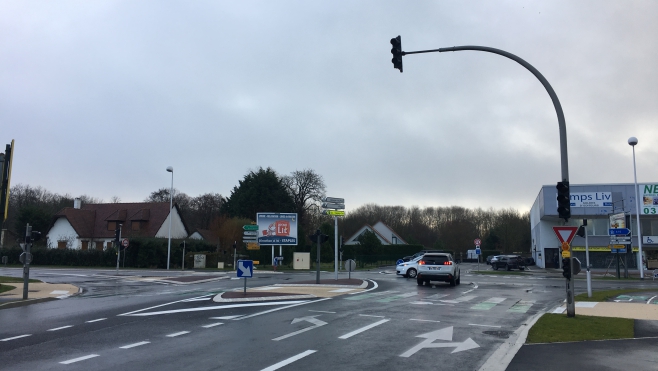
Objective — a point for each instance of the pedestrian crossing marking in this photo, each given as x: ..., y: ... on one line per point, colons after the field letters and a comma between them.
x: 396, y: 297
x: 521, y: 306
x: 488, y: 304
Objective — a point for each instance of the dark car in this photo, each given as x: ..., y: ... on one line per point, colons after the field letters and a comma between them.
x: 509, y: 262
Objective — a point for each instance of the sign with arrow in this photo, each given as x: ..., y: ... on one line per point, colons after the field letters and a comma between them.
x: 565, y: 233
x: 619, y: 231
x: 250, y: 227
x: 316, y: 323
x: 245, y: 268
x: 443, y: 334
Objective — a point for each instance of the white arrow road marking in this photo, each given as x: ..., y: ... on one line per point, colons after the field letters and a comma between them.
x: 316, y: 323
x: 442, y: 334
x: 362, y: 329
x: 78, y: 359
x: 245, y: 272
x: 288, y: 361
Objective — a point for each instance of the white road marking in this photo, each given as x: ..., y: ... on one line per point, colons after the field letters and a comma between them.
x: 226, y: 317
x: 161, y: 305
x: 361, y: 292
x: 585, y: 304
x: 135, y: 345
x: 16, y: 337
x: 212, y: 308
x: 559, y: 310
x: 60, y: 328
x: 475, y: 324
x: 321, y: 311
x: 423, y: 320
x: 96, y: 320
x: 177, y: 334
x: 266, y: 288
x: 288, y: 361
x: 465, y: 298
x: 316, y: 323
x: 421, y: 302
x: 213, y: 325
x: 78, y: 359
x: 370, y: 315
x: 362, y: 329
x: 649, y: 301
x: 342, y: 290
x: 286, y: 307
x: 59, y: 292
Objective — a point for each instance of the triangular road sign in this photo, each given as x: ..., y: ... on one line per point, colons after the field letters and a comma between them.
x: 565, y: 234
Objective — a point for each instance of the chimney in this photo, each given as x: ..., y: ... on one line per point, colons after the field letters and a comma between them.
x: 77, y: 203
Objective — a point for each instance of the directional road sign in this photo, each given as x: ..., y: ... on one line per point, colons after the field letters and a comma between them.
x: 25, y: 258
x: 565, y: 233
x: 619, y: 231
x: 250, y: 233
x: 334, y: 212
x: 245, y: 268
x: 250, y: 227
x: 334, y: 200
x: 328, y: 205
x: 478, y: 251
x: 400, y: 261
x: 253, y: 246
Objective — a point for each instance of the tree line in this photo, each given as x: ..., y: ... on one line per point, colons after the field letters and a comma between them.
x: 450, y: 228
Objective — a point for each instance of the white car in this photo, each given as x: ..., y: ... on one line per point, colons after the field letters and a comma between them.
x: 438, y: 267
x: 408, y: 269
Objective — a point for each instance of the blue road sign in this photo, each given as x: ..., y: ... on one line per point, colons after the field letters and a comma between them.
x: 478, y: 251
x: 400, y: 261
x: 619, y: 231
x: 245, y: 268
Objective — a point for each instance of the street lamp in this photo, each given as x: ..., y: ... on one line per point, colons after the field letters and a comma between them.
x: 171, y: 200
x: 632, y: 141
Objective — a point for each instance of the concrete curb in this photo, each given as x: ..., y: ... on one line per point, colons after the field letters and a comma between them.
x: 502, y: 357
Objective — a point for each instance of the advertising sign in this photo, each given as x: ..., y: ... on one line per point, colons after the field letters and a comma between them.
x: 648, y: 199
x: 277, y: 228
x: 618, y: 221
x: 591, y: 199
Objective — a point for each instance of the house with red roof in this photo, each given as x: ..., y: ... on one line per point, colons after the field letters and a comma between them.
x: 92, y: 226
x: 384, y: 233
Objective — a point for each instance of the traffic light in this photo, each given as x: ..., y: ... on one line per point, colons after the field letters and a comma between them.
x: 318, y: 234
x: 566, y: 268
x: 563, y: 200
x: 581, y: 231
x: 117, y: 236
x: 36, y: 236
x: 397, y: 52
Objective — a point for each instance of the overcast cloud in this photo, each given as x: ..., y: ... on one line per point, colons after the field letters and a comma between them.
x: 102, y: 96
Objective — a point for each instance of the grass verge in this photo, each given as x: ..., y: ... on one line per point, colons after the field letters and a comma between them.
x: 5, y: 288
x: 552, y: 328
x: 5, y: 279
x: 608, y: 294
x: 519, y: 273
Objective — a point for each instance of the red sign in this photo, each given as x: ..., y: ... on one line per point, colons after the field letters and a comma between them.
x: 278, y: 228
x: 565, y: 233
x: 477, y: 242
x: 124, y: 242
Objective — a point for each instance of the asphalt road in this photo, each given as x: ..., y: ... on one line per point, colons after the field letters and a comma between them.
x: 129, y: 323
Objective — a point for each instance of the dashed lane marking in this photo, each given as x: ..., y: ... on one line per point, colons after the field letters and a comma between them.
x: 16, y: 337
x: 423, y: 320
x: 60, y: 328
x: 362, y: 329
x: 212, y: 325
x: 476, y: 324
x: 177, y: 334
x: 396, y: 297
x: 366, y: 296
x: 135, y: 345
x: 96, y: 320
x: 288, y: 361
x: 74, y: 360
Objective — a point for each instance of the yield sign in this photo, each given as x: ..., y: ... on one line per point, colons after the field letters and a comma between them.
x: 565, y: 234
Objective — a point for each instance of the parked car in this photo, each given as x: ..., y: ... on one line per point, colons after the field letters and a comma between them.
x: 409, y: 268
x: 438, y: 267
x: 509, y: 262
x: 529, y: 261
x: 492, y: 258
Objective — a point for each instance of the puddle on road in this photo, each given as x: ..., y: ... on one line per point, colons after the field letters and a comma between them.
x: 499, y: 333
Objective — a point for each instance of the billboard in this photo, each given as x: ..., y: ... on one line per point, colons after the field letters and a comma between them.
x: 618, y: 221
x: 277, y: 228
x: 591, y: 199
x: 648, y: 199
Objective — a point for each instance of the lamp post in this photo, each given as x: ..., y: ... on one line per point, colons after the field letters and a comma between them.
x: 632, y: 141
x: 171, y: 201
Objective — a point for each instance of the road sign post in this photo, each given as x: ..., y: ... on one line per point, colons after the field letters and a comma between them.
x: 350, y: 265
x: 338, y: 206
x: 245, y: 269
x: 565, y: 235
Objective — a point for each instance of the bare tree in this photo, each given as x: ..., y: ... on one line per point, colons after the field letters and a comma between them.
x: 306, y: 188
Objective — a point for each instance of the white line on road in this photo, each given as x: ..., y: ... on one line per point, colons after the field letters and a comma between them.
x: 362, y: 329
x: 361, y: 292
x: 370, y: 315
x: 16, y: 337
x: 423, y: 320
x: 135, y: 345
x: 213, y: 325
x: 78, y: 359
x: 288, y: 361
x: 475, y: 324
x: 60, y: 328
x: 177, y: 334
x: 286, y: 307
x: 321, y: 311
x: 225, y: 317
x: 96, y: 320
x: 212, y: 308
x: 161, y: 305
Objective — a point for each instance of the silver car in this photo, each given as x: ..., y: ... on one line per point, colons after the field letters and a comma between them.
x: 408, y: 269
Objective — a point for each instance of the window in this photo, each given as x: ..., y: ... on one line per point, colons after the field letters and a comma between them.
x: 85, y: 245
x: 99, y: 245
x: 395, y: 240
x: 111, y: 226
x: 61, y: 245
x: 136, y: 226
x: 109, y: 244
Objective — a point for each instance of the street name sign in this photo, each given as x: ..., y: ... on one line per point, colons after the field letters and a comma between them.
x: 329, y: 205
x: 333, y: 200
x: 250, y: 233
x: 250, y: 227
x: 253, y: 246
x: 565, y: 233
x: 619, y: 231
x: 334, y: 212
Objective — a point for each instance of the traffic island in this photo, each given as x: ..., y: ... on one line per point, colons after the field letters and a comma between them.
x: 552, y: 328
x: 294, y: 291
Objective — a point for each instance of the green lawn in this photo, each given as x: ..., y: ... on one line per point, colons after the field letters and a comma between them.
x: 5, y: 288
x: 5, y: 279
x: 551, y: 328
x: 608, y: 294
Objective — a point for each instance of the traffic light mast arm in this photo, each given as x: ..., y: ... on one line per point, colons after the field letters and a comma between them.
x: 539, y: 76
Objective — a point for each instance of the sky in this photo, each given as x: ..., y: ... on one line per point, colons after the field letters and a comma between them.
x: 102, y: 96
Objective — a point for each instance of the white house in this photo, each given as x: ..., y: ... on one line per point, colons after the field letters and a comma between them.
x: 386, y: 235
x: 93, y: 225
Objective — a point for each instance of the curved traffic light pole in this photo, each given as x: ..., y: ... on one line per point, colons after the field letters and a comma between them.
x: 571, y: 305
x: 556, y: 102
